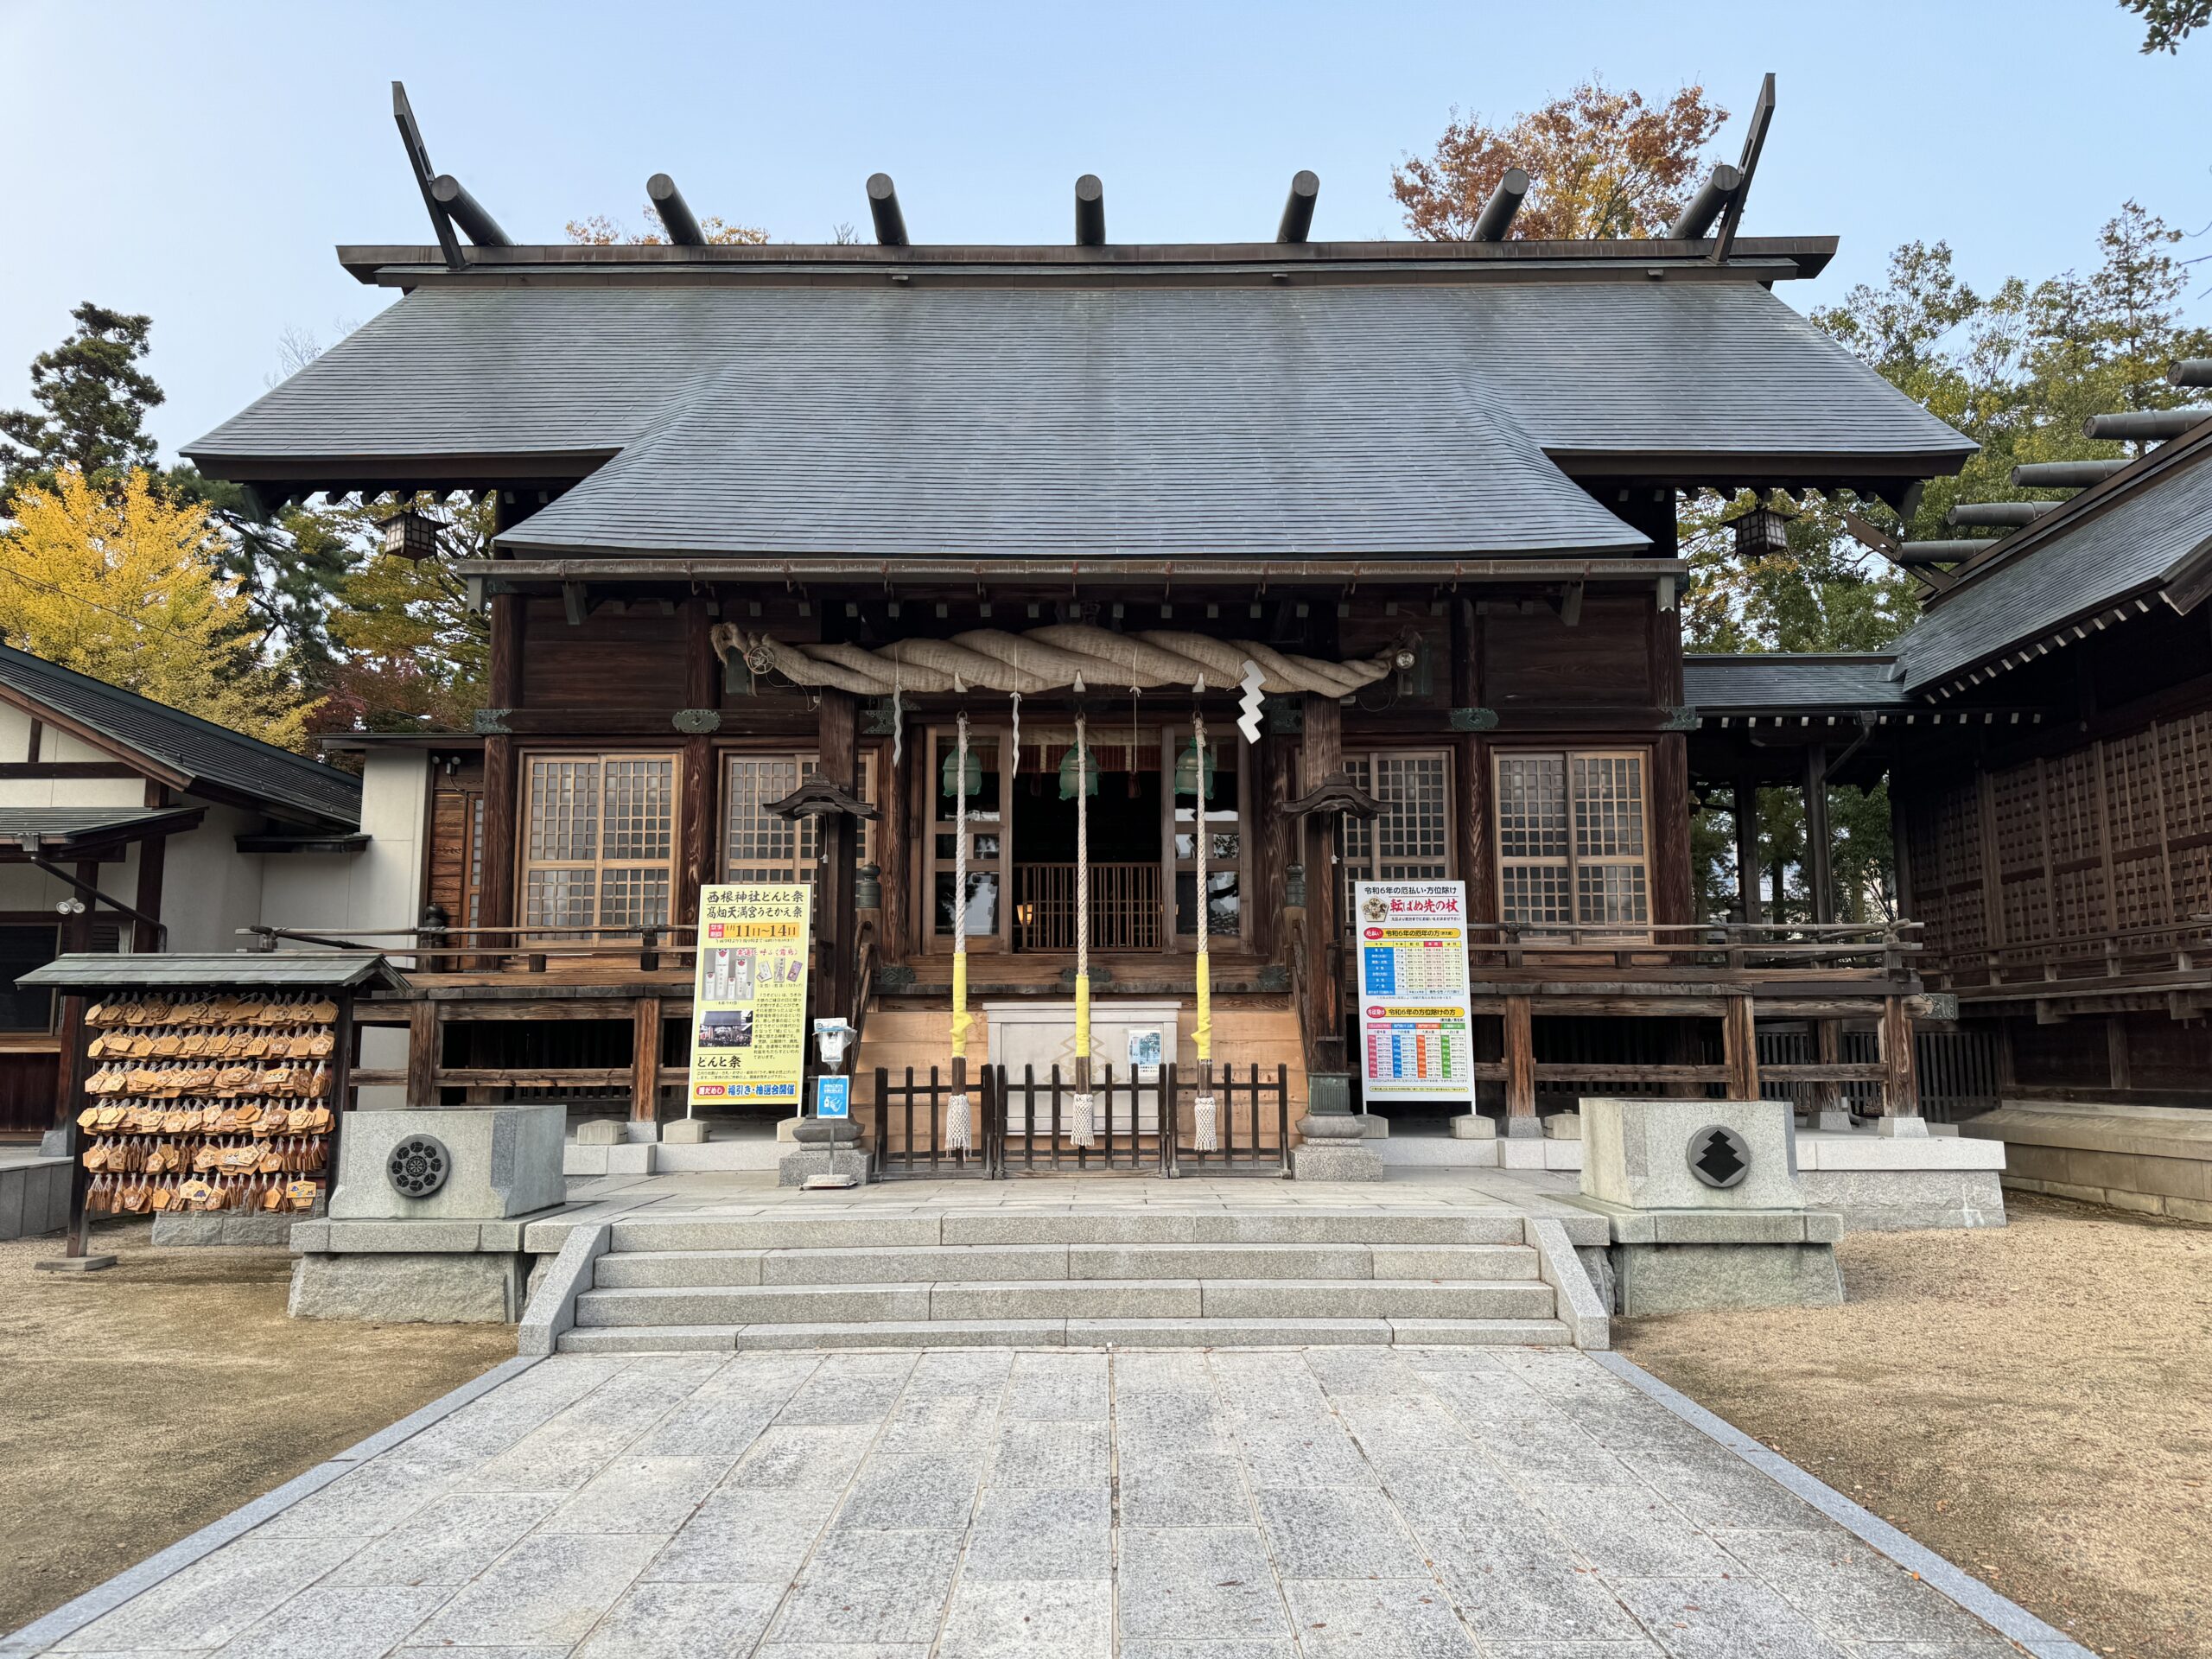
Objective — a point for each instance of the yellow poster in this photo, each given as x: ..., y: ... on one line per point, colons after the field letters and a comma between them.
x: 748, y: 997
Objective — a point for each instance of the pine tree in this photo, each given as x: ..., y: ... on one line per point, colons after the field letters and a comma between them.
x: 92, y: 398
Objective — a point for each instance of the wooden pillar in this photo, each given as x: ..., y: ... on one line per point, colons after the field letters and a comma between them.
x: 1471, y: 826
x: 644, y: 1060
x: 1276, y: 845
x: 1900, y: 1076
x: 1820, y: 847
x: 71, y: 1067
x: 1748, y: 873
x: 153, y: 853
x: 697, y: 787
x: 2116, y: 1067
x: 894, y: 852
x: 1740, y: 1040
x: 423, y: 1055
x: 1520, y: 1065
x: 1321, y: 754
x: 508, y: 614
x: 836, y: 924
x: 1827, y: 1049
x: 1674, y: 897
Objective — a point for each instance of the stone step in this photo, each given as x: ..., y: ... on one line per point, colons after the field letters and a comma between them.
x: 1080, y: 1332
x: 1051, y: 1299
x: 959, y: 1264
x: 1125, y: 1225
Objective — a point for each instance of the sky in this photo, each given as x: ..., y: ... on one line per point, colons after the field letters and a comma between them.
x: 198, y: 162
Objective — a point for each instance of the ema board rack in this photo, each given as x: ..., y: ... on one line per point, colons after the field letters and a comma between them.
x: 206, y: 1083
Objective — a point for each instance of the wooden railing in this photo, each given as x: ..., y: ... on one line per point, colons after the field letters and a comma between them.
x: 1872, y: 951
x: 1126, y: 911
x: 2170, y: 950
x: 451, y: 948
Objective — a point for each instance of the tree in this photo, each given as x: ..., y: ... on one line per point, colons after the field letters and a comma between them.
x: 601, y: 231
x: 411, y: 654
x: 92, y: 398
x: 126, y: 585
x: 1600, y: 163
x: 2169, y: 22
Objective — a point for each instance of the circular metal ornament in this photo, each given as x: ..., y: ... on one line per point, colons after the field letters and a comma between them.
x: 418, y: 1166
x: 1718, y: 1156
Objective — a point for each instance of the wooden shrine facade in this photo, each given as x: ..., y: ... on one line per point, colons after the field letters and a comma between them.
x: 1460, y: 460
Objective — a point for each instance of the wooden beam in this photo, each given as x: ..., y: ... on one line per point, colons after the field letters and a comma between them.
x: 1820, y: 840
x: 1320, y: 756
x: 152, y: 855
x: 1828, y: 1053
x: 1749, y: 872
x: 509, y: 620
x: 836, y: 921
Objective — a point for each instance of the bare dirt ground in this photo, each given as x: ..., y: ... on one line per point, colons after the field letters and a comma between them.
x: 2034, y: 1403
x: 139, y: 1404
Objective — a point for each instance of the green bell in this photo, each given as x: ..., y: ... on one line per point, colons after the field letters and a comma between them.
x: 1071, y: 764
x: 1192, y: 766
x: 952, y: 775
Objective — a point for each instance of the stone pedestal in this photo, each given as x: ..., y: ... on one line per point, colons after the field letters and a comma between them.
x: 812, y: 1162
x: 451, y: 1255
x: 685, y: 1131
x: 1522, y: 1129
x: 1334, y: 1149
x: 1563, y: 1126
x: 1902, y: 1129
x: 1707, y: 1207
x: 1473, y: 1126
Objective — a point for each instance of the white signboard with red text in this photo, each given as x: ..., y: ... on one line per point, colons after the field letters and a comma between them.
x: 1414, y: 1040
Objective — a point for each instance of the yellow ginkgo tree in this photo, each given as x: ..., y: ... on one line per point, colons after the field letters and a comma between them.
x: 128, y: 586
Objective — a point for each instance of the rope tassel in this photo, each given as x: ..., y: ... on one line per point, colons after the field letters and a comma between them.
x: 1082, y: 1120
x: 1205, y: 1124
x: 959, y: 1130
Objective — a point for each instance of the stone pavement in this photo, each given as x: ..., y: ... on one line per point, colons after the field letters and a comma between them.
x: 1358, y: 1503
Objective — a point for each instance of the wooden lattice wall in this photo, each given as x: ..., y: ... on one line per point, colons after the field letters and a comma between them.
x: 2113, y: 835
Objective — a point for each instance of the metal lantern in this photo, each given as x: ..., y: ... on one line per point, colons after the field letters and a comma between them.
x: 1071, y: 764
x: 410, y: 533
x: 1762, y: 530
x: 867, y: 888
x: 1194, y: 769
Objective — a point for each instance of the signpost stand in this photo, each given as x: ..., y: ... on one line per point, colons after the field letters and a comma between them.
x: 1416, y: 1037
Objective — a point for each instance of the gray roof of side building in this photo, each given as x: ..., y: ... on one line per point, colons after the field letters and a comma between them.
x: 281, y: 783
x: 1759, y: 682
x: 2121, y: 539
x: 281, y: 970
x: 1402, y: 418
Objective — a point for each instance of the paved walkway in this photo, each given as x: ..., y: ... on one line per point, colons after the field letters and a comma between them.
x: 1363, y: 1502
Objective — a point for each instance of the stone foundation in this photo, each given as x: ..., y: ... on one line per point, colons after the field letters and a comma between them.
x: 263, y: 1230
x: 796, y: 1168
x: 447, y: 1288
x: 1686, y: 1278
x: 1335, y: 1161
x: 1907, y: 1200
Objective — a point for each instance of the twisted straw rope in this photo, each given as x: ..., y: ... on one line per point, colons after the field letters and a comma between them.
x: 1043, y: 659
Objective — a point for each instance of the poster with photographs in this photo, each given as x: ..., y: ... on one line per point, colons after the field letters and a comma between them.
x: 748, y: 1026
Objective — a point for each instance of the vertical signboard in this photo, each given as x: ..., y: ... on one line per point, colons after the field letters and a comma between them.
x: 748, y: 997
x: 1414, y: 1040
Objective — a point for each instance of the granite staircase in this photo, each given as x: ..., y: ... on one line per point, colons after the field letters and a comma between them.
x: 1281, y: 1276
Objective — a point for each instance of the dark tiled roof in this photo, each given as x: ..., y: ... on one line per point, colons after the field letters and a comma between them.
x: 62, y: 825
x: 286, y: 785
x: 1404, y: 418
x: 2125, y: 535
x: 1780, y: 682
x: 273, y: 970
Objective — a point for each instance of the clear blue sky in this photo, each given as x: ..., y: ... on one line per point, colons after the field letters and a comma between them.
x: 198, y: 161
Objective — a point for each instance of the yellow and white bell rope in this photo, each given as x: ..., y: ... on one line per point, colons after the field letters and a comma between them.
x: 1205, y: 1135
x: 958, y: 1135
x: 1082, y: 1131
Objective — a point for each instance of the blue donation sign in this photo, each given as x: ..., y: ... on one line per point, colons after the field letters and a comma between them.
x: 833, y: 1097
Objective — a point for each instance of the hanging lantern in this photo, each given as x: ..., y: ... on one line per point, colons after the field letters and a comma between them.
x: 1194, y: 770
x: 1763, y: 529
x: 410, y: 533
x: 1070, y: 764
x: 951, y: 776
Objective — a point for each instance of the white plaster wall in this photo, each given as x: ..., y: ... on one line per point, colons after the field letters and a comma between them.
x: 209, y: 889
x: 379, y: 886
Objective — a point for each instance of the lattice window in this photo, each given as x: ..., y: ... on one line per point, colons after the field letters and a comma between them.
x: 2139, y: 891
x: 2132, y: 792
x: 1572, y: 839
x: 2186, y: 770
x: 601, y: 846
x: 1411, y: 841
x: 758, y: 846
x: 2016, y: 798
x: 2073, y: 825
